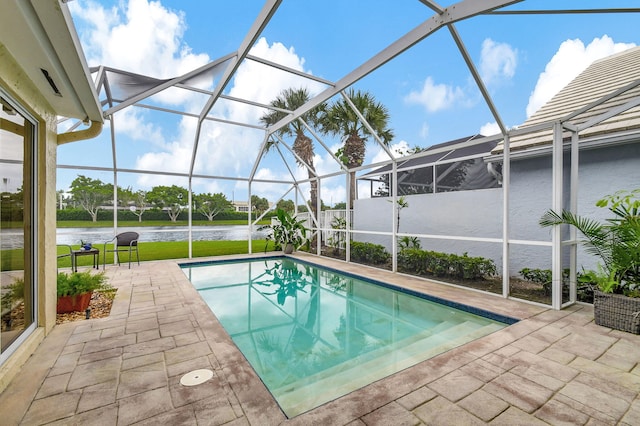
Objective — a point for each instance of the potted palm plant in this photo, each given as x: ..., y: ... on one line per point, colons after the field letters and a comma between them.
x: 617, y: 243
x: 288, y: 233
x: 75, y: 290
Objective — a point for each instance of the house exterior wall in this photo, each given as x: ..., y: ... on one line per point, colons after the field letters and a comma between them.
x: 14, y: 81
x: 602, y: 172
x: 478, y: 213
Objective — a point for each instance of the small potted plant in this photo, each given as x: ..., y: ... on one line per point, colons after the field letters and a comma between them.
x: 617, y: 243
x: 75, y: 290
x: 288, y: 233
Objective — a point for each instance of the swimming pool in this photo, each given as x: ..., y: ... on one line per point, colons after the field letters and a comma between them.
x: 314, y: 334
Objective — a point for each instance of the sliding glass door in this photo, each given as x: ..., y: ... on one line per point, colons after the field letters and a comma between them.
x: 17, y: 230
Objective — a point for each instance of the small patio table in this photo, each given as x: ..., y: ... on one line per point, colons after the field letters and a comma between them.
x: 91, y: 252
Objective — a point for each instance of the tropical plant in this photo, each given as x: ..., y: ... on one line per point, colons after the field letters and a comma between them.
x: 337, y: 238
x: 401, y: 203
x: 290, y: 100
x: 81, y: 282
x: 340, y: 119
x: 287, y: 231
x: 616, y: 241
x: 406, y: 242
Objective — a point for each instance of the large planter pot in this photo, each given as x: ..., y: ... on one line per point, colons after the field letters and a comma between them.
x: 288, y: 248
x: 79, y: 302
x: 617, y: 311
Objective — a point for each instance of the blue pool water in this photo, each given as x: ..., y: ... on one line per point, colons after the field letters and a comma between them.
x: 314, y: 334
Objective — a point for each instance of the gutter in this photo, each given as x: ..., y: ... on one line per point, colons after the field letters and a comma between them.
x: 91, y: 132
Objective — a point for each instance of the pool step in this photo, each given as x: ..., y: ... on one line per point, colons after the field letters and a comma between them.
x: 339, y: 380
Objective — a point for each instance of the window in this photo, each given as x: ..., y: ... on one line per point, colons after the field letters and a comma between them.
x: 17, y: 230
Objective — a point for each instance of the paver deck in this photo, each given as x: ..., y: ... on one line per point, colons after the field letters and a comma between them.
x: 552, y: 367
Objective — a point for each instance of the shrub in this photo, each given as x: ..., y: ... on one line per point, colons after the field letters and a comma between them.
x: 422, y: 262
x: 81, y: 282
x: 369, y: 253
x: 585, y: 281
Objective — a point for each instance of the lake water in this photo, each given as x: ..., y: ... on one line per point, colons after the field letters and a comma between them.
x: 11, y: 238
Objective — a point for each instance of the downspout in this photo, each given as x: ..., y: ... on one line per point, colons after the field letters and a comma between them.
x: 89, y: 133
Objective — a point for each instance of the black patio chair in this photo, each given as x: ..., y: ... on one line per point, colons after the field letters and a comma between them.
x: 69, y: 254
x: 123, y: 242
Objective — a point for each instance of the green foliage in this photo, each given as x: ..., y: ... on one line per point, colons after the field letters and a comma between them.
x: 288, y: 230
x: 12, y: 293
x: 407, y: 242
x: 286, y: 205
x: 211, y: 205
x: 340, y: 119
x: 585, y: 281
x: 168, y: 198
x: 539, y: 276
x: 337, y: 239
x: 606, y: 282
x: 81, y: 282
x: 340, y: 206
x: 423, y: 262
x: 91, y: 194
x: 260, y: 204
x: 369, y: 253
x: 616, y: 242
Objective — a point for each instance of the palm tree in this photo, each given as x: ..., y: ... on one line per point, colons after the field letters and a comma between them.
x: 341, y: 119
x: 290, y: 100
x: 616, y: 242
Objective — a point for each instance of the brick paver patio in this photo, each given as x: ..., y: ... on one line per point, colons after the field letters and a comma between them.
x: 553, y: 367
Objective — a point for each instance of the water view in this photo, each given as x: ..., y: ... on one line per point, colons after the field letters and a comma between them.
x: 159, y: 233
x: 13, y: 239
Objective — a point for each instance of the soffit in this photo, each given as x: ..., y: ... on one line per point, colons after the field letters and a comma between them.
x: 39, y: 34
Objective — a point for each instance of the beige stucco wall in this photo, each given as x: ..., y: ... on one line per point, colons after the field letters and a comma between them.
x: 15, y: 82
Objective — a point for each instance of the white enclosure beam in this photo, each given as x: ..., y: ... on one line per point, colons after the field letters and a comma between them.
x: 556, y: 205
x: 454, y: 13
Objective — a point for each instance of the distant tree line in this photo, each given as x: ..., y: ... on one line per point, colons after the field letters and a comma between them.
x: 92, y: 199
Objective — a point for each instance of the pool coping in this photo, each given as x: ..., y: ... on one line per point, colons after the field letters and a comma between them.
x: 545, y: 368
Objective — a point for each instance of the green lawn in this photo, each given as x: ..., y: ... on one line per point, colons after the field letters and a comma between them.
x: 174, y: 250
x: 13, y: 260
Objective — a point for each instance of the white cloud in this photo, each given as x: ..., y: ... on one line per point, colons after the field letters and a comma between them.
x: 498, y: 61
x: 140, y: 36
x: 435, y: 97
x: 570, y: 60
x: 131, y: 122
x: 489, y: 129
x: 143, y: 37
x: 396, y: 149
x: 424, y: 131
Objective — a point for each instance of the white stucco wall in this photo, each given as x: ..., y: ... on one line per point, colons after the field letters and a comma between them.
x: 466, y: 214
x: 479, y: 213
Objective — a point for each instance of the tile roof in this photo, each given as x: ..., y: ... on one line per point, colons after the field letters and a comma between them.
x: 603, y: 77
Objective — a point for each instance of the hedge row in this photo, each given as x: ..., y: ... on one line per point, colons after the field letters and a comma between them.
x: 369, y: 253
x: 422, y: 262
x: 152, y: 214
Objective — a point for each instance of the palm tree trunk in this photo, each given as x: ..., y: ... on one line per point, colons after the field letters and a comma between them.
x: 354, y: 149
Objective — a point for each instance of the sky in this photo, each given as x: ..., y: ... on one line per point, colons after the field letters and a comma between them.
x: 431, y: 97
